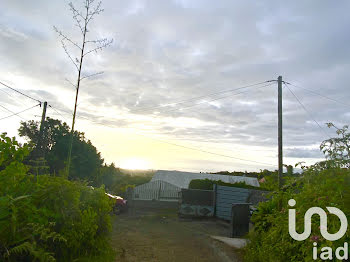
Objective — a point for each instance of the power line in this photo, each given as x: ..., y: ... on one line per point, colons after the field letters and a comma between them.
x: 215, y: 99
x: 2, y: 90
x: 20, y: 92
x: 209, y: 152
x: 310, y: 115
x: 58, y: 113
x: 315, y: 93
x: 62, y: 110
x: 191, y: 148
x: 199, y: 97
x: 16, y: 114
x: 12, y: 112
x: 192, y: 99
x: 5, y: 92
x: 182, y: 146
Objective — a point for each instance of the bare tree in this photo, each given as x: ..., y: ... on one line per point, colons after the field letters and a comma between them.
x: 82, y: 19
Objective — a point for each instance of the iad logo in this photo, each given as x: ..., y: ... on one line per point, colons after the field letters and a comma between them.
x: 323, y: 222
x: 326, y: 252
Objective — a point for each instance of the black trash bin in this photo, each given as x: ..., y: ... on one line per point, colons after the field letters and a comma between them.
x: 240, y: 218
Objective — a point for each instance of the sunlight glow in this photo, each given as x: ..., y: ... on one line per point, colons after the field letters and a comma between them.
x: 135, y: 163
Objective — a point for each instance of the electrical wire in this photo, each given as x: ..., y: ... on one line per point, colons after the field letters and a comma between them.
x: 182, y: 146
x: 58, y: 113
x: 191, y: 148
x: 310, y: 115
x: 209, y: 152
x: 315, y: 93
x: 199, y: 97
x: 215, y: 99
x: 5, y: 92
x: 20, y: 92
x: 188, y: 100
x: 203, y: 102
x: 16, y: 114
x: 12, y: 112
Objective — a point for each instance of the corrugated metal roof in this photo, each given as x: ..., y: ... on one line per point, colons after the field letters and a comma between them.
x: 183, y: 179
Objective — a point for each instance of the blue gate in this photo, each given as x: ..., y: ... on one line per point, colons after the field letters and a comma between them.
x: 225, y: 197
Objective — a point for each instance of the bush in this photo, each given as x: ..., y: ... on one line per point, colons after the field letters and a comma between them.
x: 270, y: 240
x: 207, y: 184
x: 46, y: 218
x: 326, y: 183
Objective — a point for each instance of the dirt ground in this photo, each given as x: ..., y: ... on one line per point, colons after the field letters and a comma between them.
x: 162, y: 236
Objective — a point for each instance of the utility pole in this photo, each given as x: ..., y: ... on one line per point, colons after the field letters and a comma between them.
x: 38, y: 164
x: 280, y: 144
x: 40, y: 146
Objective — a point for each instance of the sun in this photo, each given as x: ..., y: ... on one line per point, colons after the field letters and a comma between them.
x: 134, y: 163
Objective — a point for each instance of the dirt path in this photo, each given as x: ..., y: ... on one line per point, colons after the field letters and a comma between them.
x: 161, y: 236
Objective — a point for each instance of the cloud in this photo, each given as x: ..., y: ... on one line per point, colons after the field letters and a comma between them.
x: 171, y: 51
x: 303, y: 153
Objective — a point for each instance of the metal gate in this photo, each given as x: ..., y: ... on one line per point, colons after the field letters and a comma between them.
x: 156, y: 190
x: 225, y: 197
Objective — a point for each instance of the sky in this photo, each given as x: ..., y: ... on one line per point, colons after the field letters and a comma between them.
x: 166, y: 52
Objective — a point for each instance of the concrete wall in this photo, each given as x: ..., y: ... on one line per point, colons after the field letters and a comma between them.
x: 197, y: 197
x: 197, y: 203
x: 152, y: 205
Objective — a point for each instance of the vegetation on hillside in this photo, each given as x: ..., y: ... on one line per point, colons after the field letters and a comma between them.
x: 326, y: 183
x: 207, y: 184
x: 268, y: 179
x: 49, y: 218
x: 46, y: 216
x: 87, y: 163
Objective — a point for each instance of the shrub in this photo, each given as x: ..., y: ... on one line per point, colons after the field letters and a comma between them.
x: 270, y: 240
x: 207, y: 184
x: 46, y: 218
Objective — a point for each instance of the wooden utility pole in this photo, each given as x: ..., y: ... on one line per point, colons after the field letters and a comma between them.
x: 280, y: 142
x: 40, y: 146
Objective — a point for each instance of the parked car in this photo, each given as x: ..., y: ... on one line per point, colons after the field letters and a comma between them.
x: 121, y: 205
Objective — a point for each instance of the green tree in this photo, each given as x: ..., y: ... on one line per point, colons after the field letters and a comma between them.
x: 52, y: 219
x: 86, y: 161
x: 337, y: 149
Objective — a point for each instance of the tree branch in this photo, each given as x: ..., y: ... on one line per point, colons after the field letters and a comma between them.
x: 96, y: 11
x: 64, y: 37
x: 77, y: 16
x: 75, y: 11
x: 88, y: 76
x: 66, y: 51
x: 98, y: 41
x: 70, y: 82
x: 103, y: 44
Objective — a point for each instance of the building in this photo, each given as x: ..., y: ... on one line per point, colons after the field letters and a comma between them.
x: 166, y: 185
x: 183, y: 179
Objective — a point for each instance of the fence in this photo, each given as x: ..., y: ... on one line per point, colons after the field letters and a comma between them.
x: 195, y: 202
x: 225, y: 197
x: 217, y: 202
x: 156, y: 190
